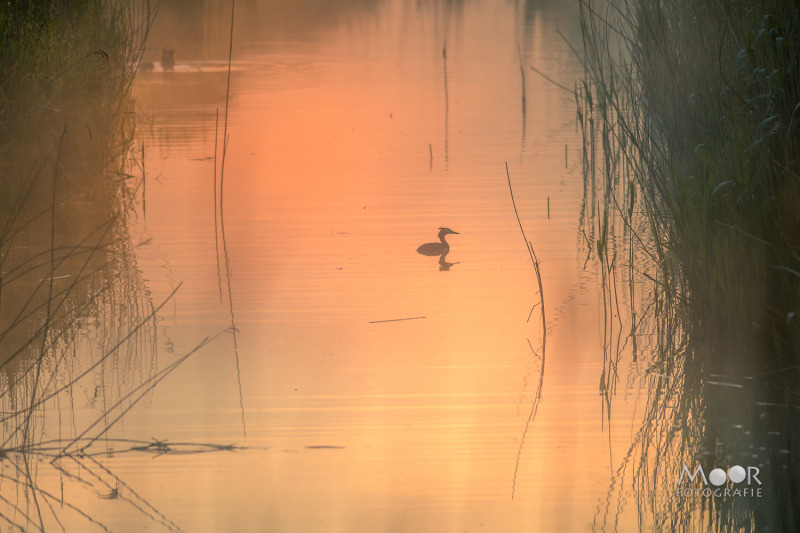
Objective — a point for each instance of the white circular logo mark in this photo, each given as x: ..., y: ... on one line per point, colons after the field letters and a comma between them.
x: 717, y: 477
x: 737, y: 474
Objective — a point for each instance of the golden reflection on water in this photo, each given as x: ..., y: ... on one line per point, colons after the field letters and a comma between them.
x: 345, y: 155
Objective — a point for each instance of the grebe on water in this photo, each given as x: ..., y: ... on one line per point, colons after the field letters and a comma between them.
x: 437, y: 248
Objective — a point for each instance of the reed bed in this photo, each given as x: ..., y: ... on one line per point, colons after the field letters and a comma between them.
x: 689, y: 112
x: 79, y: 330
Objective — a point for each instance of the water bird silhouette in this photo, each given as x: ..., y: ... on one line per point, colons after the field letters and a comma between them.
x: 168, y: 60
x: 437, y: 248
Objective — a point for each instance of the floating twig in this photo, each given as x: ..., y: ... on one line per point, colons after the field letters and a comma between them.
x: 397, y: 319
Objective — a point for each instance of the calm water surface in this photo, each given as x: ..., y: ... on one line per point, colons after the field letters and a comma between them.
x: 346, y: 152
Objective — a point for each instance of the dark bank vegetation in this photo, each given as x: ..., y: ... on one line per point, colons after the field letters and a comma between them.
x: 65, y: 134
x: 65, y: 114
x: 78, y: 328
x: 691, y: 118
x: 66, y: 64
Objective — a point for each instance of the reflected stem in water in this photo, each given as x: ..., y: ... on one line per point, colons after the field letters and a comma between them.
x: 94, y: 365
x: 524, y: 113
x: 115, y: 491
x: 225, y: 126
x: 430, y: 149
x: 26, y: 434
x: 216, y: 231
x: 538, y: 397
x: 446, y: 107
x: 145, y: 387
x: 531, y: 417
x: 51, y: 281
x: 226, y: 139
x: 234, y: 330
x: 80, y: 276
x: 144, y: 188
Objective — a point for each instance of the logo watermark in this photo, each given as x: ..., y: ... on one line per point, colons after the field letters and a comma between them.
x: 749, y: 486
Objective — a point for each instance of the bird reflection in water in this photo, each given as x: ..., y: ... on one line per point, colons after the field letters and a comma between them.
x: 441, y: 248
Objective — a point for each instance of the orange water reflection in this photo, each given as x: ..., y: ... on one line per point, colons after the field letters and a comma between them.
x: 345, y: 155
